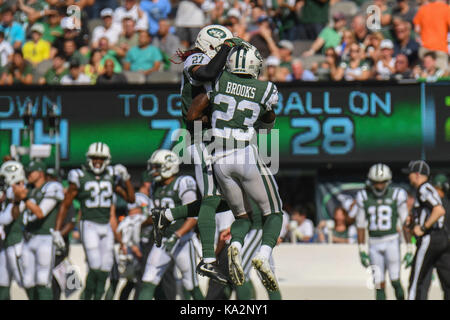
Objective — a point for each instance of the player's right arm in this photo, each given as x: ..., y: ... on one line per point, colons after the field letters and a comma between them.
x: 69, y: 196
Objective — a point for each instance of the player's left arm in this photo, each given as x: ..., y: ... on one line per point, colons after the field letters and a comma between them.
x: 127, y: 194
x: 402, y: 208
x: 198, y: 105
x: 267, y: 119
x: 430, y: 197
x: 114, y: 224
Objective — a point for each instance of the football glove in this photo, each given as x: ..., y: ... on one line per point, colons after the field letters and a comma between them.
x: 365, y: 260
x: 58, y: 240
x: 408, y: 258
x: 235, y: 42
x: 171, y: 243
x: 121, y: 171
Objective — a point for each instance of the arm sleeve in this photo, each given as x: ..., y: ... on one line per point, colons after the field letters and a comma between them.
x: 187, y: 190
x: 210, y: 71
x: 358, y: 211
x: 53, y: 194
x: 270, y: 97
x: 402, y: 206
x: 6, y: 215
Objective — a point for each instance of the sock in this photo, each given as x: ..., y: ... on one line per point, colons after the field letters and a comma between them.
x: 100, y: 287
x: 380, y: 294
x: 111, y: 290
x: 209, y: 260
x: 187, y: 294
x: 271, y: 229
x: 275, y: 295
x: 207, y: 225
x: 245, y: 292
x: 190, y: 210
x: 239, y: 230
x: 265, y: 251
x: 43, y: 293
x: 197, y: 294
x: 399, y: 293
x: 91, y: 281
x: 147, y: 291
x: 31, y: 293
x: 4, y: 293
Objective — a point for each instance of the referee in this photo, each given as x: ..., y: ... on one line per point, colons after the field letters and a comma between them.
x: 433, y: 249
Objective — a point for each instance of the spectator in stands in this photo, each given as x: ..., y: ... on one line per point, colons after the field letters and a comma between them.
x: 236, y: 23
x: 405, y: 43
x: 314, y: 17
x: 329, y: 37
x: 56, y: 72
x: 299, y: 72
x: 333, y: 61
x: 432, y: 22
x: 301, y: 228
x: 129, y: 37
x: 359, y: 28
x: 402, y: 70
x: 343, y: 49
x: 52, y: 27
x: 252, y: 25
x: 430, y: 72
x: 404, y: 10
x: 131, y: 9
x: 285, y: 14
x: 341, y: 232
x: 263, y: 38
x: 272, y: 72
x: 36, y: 50
x: 354, y: 69
x: 75, y: 75
x: 166, y: 41
x: 386, y: 14
x: 6, y: 51
x: 145, y: 57
x: 19, y: 71
x: 70, y: 52
x: 98, y: 5
x: 69, y: 33
x: 14, y: 31
x: 385, y: 66
x: 373, y: 47
x: 108, y: 29
x: 32, y: 11
x: 156, y: 10
x: 94, y: 68
x: 189, y: 20
x: 109, y: 76
x: 285, y: 51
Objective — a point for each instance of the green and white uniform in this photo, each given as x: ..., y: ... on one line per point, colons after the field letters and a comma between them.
x: 381, y: 215
x: 95, y: 193
x: 237, y: 104
x: 10, y: 261
x: 182, y: 190
x: 198, y: 153
x: 38, y: 250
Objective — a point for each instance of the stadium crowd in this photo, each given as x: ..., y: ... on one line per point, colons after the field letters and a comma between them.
x: 113, y: 41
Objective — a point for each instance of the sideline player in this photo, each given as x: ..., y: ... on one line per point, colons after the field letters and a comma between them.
x: 379, y: 208
x: 93, y: 185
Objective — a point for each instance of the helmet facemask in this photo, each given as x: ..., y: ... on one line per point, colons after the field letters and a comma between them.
x: 102, y: 167
x: 378, y: 192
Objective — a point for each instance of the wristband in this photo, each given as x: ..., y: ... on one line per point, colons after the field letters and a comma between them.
x: 423, y: 229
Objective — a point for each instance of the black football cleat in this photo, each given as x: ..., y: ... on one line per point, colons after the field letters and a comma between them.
x: 212, y: 271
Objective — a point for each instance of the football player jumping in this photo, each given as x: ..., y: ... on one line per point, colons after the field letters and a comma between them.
x: 379, y: 207
x: 94, y: 186
x: 201, y: 65
x: 171, y: 190
x: 239, y: 103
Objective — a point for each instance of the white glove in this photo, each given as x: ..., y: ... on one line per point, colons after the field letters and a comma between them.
x: 121, y: 171
x: 58, y: 240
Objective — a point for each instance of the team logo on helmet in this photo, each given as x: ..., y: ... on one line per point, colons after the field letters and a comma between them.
x: 11, y: 168
x: 216, y: 33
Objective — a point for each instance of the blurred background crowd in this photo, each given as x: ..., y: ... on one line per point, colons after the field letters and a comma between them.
x: 116, y: 41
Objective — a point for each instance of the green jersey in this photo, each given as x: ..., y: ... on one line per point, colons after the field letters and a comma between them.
x: 182, y: 190
x: 95, y: 193
x: 237, y: 103
x: 13, y: 228
x: 48, y: 197
x: 381, y: 213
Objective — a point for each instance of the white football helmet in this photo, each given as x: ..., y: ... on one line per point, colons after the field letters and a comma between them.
x: 98, y: 150
x: 245, y: 60
x: 12, y: 172
x: 165, y: 162
x: 210, y: 38
x: 379, y: 173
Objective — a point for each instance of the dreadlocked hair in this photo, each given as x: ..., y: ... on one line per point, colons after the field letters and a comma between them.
x: 183, y: 55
